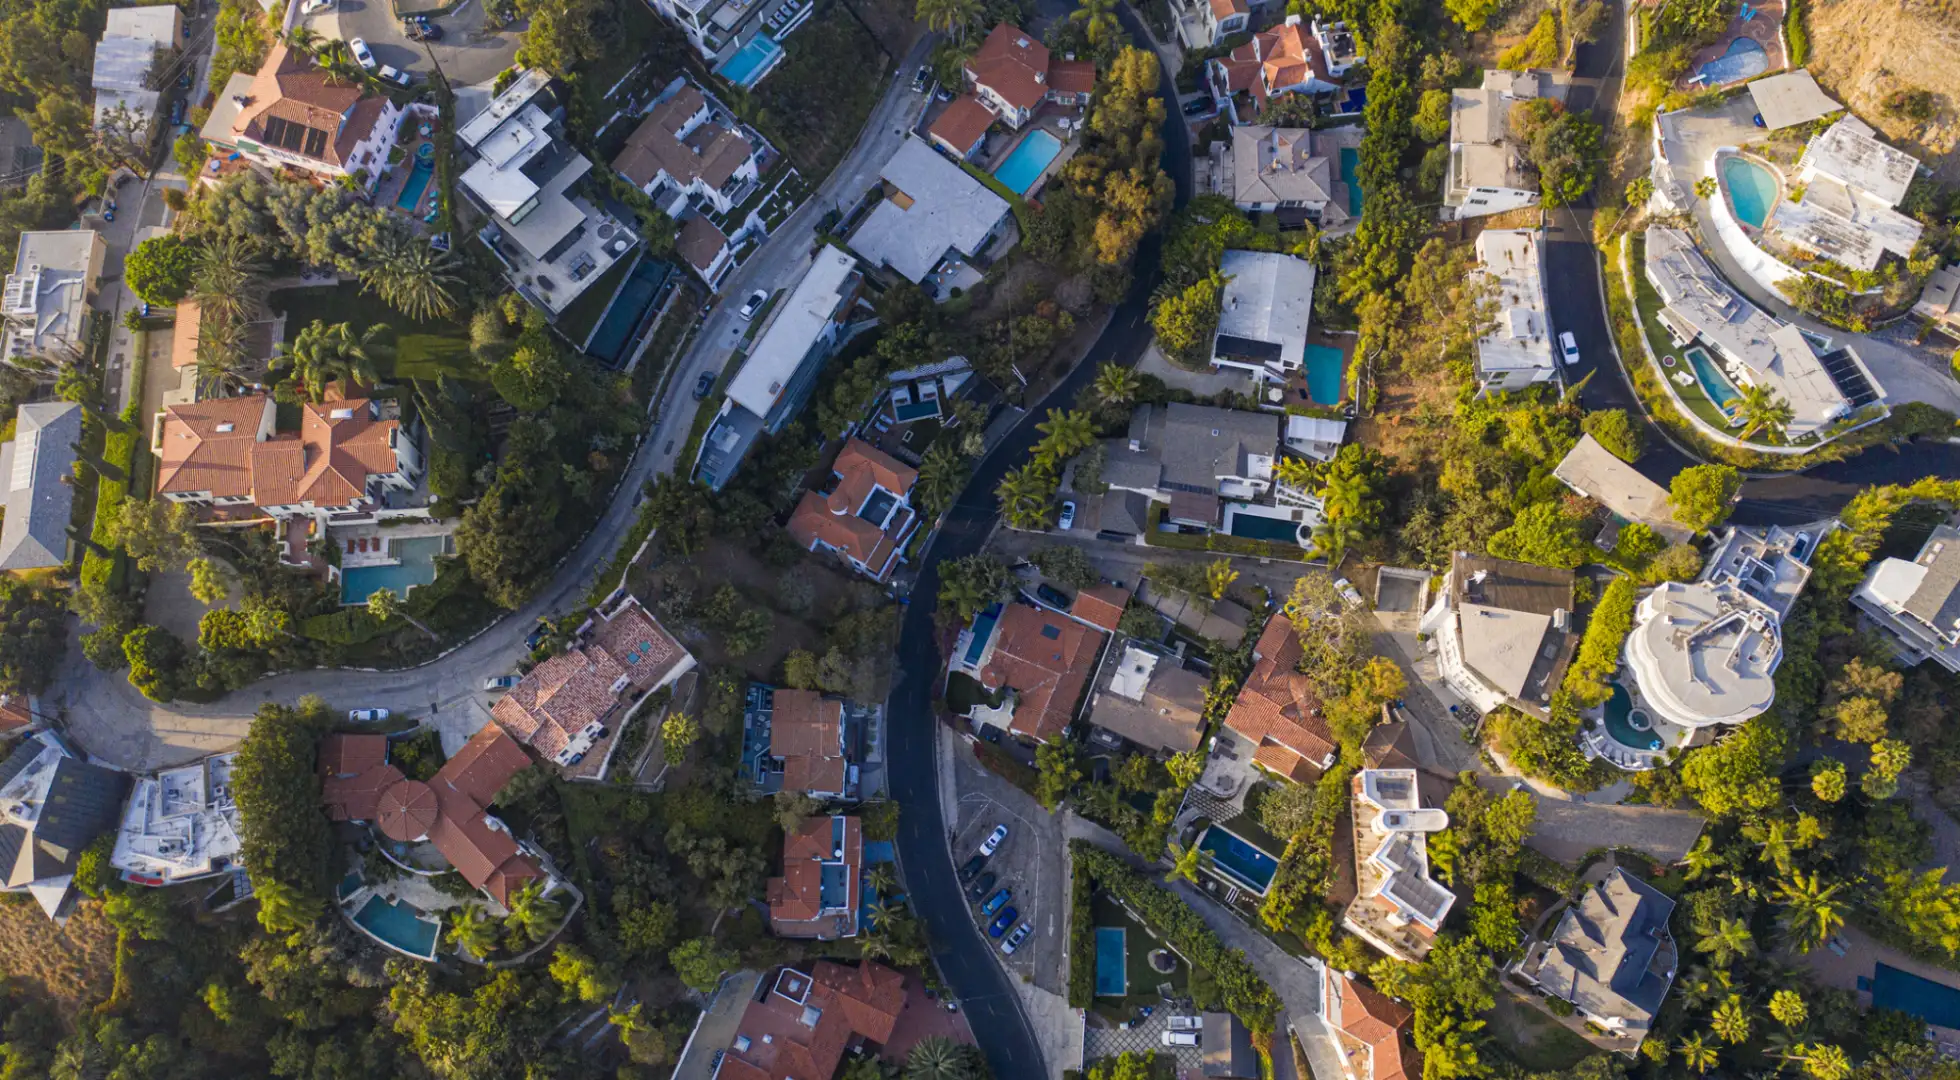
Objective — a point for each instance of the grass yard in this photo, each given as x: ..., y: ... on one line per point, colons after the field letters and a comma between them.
x: 1137, y: 945
x: 815, y: 103
x: 72, y: 964
x: 423, y: 349
x: 1535, y: 1040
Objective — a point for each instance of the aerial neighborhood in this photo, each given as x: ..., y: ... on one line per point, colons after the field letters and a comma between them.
x: 941, y: 540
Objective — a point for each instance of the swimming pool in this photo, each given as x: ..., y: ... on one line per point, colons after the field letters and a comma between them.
x: 1936, y: 1003
x: 983, y: 631
x: 1623, y: 722
x: 1350, y: 161
x: 1023, y: 167
x: 1244, y: 519
x: 629, y: 306
x: 1752, y: 190
x: 1240, y: 861
x: 1323, y: 365
x: 1744, y: 59
x: 400, y: 926
x: 1714, y: 381
x: 1112, y: 980
x: 417, y: 566
x: 418, y: 182
x: 751, y: 62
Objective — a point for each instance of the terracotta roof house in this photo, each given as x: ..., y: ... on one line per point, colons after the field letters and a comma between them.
x: 705, y: 249
x: 1045, y: 658
x: 817, y: 894
x: 295, y: 116
x: 450, y: 811
x: 1101, y: 605
x: 690, y: 148
x: 559, y: 709
x: 1282, y: 60
x: 224, y: 455
x: 1278, y: 712
x: 1013, y: 73
x: 1369, y: 1028
x: 866, y: 518
x: 800, y: 1027
x: 806, y: 734
x: 962, y: 129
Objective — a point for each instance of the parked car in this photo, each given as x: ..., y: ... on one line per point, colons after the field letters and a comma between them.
x: 1180, y: 1038
x: 1051, y: 595
x: 1067, y: 520
x: 314, y: 6
x: 704, y: 385
x: 1015, y: 939
x: 362, y: 54
x: 992, y: 843
x: 184, y: 80
x: 1198, y: 106
x: 538, y: 635
x: 996, y: 901
x: 1185, y: 1023
x: 971, y: 867
x: 396, y: 75
x: 981, y: 885
x: 501, y: 682
x: 1569, y: 345
x: 1348, y: 592
x: 177, y: 111
x: 753, y: 304
x: 366, y: 716
x: 1002, y: 921
x: 921, y: 79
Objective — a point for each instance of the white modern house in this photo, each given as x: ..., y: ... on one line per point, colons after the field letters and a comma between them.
x: 741, y: 38
x: 180, y: 825
x: 45, y: 304
x: 1263, y: 314
x: 1398, y: 907
x: 1502, y: 631
x: 1517, y: 352
x: 1916, y: 601
x: 137, y: 43
x: 1487, y: 171
x: 1842, y: 203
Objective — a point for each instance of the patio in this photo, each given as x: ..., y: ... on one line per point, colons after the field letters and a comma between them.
x: 367, y: 544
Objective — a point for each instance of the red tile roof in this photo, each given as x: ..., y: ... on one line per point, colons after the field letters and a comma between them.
x: 340, y: 444
x: 1072, y: 76
x: 351, y: 755
x: 1046, y: 659
x: 806, y: 731
x: 207, y: 445
x: 1277, y: 707
x: 804, y: 1039
x: 1379, y: 1022
x: 358, y: 797
x: 291, y: 89
x: 833, y: 520
x: 407, y: 811
x: 1101, y: 604
x: 795, y: 899
x: 962, y: 124
x: 1014, y: 64
x: 560, y: 697
x: 1225, y: 9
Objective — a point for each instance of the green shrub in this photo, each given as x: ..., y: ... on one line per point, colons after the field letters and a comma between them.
x: 348, y: 626
x: 1796, y: 31
x: 1599, y: 650
x: 1081, y: 945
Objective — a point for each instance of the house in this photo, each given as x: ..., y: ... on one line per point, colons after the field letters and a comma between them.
x: 781, y: 370
x: 866, y: 518
x: 1224, y: 621
x: 1487, y: 172
x: 1841, y: 203
x: 1277, y: 711
x: 135, y: 42
x: 1939, y: 301
x: 933, y: 213
x: 1339, y: 48
x: 1916, y: 601
x: 1598, y: 474
x: 1044, y: 660
x: 560, y: 708
x: 817, y: 895
x: 527, y: 176
x: 225, y: 458
x: 295, y: 115
x: 46, y: 298
x: 1263, y: 314
x: 1517, y: 352
x: 1704, y: 653
x: 1611, y: 956
x: 689, y: 148
x: 1398, y: 906
x: 17, y: 714
x: 1190, y: 456
x: 1315, y: 437
x: 38, y: 469
x: 1285, y: 59
x: 806, y: 743
x: 1369, y: 1029
x: 450, y: 812
x: 1293, y: 173
x: 52, y: 806
x: 1149, y: 697
x: 1502, y: 631
x: 1013, y: 74
x: 799, y: 1027
x: 1204, y: 23
x: 1101, y: 606
x: 741, y: 38
x: 180, y: 825
x: 706, y: 249
x: 1753, y: 348
x: 962, y: 129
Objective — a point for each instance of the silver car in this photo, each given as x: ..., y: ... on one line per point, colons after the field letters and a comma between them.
x: 1015, y: 939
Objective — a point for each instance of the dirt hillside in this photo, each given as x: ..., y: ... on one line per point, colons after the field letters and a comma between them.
x: 1863, y: 50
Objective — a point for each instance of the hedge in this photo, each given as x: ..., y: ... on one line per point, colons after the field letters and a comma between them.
x: 119, y: 450
x: 348, y: 626
x: 1542, y: 869
x: 1081, y: 944
x: 1599, y: 650
x: 1246, y: 994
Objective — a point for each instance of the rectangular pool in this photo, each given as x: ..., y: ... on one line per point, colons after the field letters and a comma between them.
x: 1714, y: 381
x: 748, y: 64
x: 1024, y: 166
x: 983, y: 631
x: 1112, y: 978
x: 1239, y: 860
x: 1323, y: 365
x: 628, y: 308
x: 1244, y: 520
x: 417, y: 566
x: 1351, y: 160
x: 1936, y: 1003
x: 418, y: 182
x: 400, y: 926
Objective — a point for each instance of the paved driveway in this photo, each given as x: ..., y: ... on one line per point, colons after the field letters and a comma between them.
x: 468, y: 52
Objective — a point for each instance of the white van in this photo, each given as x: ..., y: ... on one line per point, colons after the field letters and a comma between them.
x: 1180, y: 1038
x: 1185, y: 1023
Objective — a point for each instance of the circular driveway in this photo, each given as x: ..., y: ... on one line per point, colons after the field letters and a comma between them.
x: 468, y: 53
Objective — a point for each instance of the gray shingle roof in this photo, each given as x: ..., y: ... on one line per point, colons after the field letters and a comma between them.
x: 83, y: 802
x: 39, y: 500
x: 1937, y: 599
x: 1612, y: 954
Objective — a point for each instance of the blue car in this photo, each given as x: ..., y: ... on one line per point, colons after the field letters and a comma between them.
x: 1002, y: 921
x: 994, y: 902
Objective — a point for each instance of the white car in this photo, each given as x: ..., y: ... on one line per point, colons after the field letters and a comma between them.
x: 1067, y: 520
x: 753, y: 304
x: 501, y: 682
x: 315, y: 6
x: 1015, y: 939
x: 396, y: 75
x: 362, y: 55
x: 1180, y: 1038
x: 992, y: 843
x: 367, y: 716
x: 1348, y: 592
x: 1569, y: 345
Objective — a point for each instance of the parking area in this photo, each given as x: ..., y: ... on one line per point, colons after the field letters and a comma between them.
x: 469, y: 49
x: 1029, y: 863
x: 1144, y: 1036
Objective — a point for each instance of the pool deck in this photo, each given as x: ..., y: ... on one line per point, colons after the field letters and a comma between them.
x: 1001, y: 143
x: 390, y: 187
x: 351, y: 559
x: 1762, y: 30
x: 1862, y: 954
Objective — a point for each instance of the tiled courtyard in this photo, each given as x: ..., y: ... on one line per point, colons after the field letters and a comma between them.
x: 1104, y: 1039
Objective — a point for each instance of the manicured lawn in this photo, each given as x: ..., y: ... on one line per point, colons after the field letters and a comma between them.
x: 1137, y: 945
x: 423, y: 349
x: 581, y: 316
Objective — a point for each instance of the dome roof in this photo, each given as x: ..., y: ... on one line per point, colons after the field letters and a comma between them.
x: 407, y: 811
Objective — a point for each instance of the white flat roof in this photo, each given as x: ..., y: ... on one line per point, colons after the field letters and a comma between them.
x: 515, y: 96
x: 220, y: 126
x: 157, y: 23
x: 1851, y: 151
x: 1522, y: 339
x: 796, y: 325
x: 1790, y: 98
x: 1268, y: 297
x: 180, y: 824
x: 123, y: 63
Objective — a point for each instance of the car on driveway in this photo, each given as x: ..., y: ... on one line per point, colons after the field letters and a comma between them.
x: 981, y: 885
x: 1348, y: 592
x: 995, y: 902
x: 753, y: 304
x: 971, y: 867
x: 1067, y: 520
x: 396, y: 76
x: 366, y: 716
x: 538, y: 635
x: 315, y: 6
x: 1002, y: 921
x: 992, y: 843
x: 1569, y: 345
x: 1198, y: 106
x: 1052, y: 596
x: 501, y: 682
x: 362, y: 54
x: 921, y: 79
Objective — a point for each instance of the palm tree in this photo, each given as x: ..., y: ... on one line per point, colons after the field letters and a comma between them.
x: 1116, y: 384
x: 227, y: 282
x: 304, y: 39
x: 334, y: 58
x: 1826, y: 1062
x: 473, y: 932
x: 882, y: 879
x: 1027, y: 496
x: 950, y: 16
x: 942, y: 474
x: 1760, y: 409
x: 1332, y: 537
x: 1100, y: 18
x: 1731, y: 1022
x: 1705, y: 187
x: 414, y: 278
x: 937, y: 1058
x: 1730, y: 942
x: 1702, y: 858
x: 1295, y: 472
x: 321, y: 355
x: 1696, y: 1053
x: 220, y: 356
x: 532, y: 914
x: 1187, y: 861
x: 1813, y: 910
x: 1064, y: 435
x: 1788, y: 1008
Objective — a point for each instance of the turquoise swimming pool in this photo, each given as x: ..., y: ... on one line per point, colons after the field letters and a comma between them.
x: 629, y: 307
x: 1936, y: 1003
x: 1350, y: 161
x: 1743, y: 59
x: 1714, y: 381
x: 417, y: 567
x: 1240, y: 861
x: 1024, y: 166
x: 418, y: 182
x: 1752, y: 190
x: 1623, y: 720
x: 751, y: 62
x: 399, y: 925
x: 1242, y: 521
x: 1112, y: 979
x: 1323, y: 365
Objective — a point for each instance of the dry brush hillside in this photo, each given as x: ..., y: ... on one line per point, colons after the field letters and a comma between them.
x: 1863, y: 50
